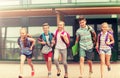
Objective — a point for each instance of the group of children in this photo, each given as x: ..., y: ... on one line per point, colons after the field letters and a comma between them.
x: 60, y: 40
x: 88, y: 40
x: 48, y: 40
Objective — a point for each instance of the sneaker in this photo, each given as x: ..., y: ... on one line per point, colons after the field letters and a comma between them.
x: 80, y: 77
x: 109, y: 68
x: 58, y: 73
x: 32, y: 73
x: 49, y: 75
x: 90, y: 74
x: 20, y: 77
x: 65, y: 77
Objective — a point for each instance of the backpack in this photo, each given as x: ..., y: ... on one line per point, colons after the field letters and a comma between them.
x: 28, y: 42
x: 94, y: 39
x: 68, y: 35
x: 26, y: 50
x: 44, y: 38
x: 45, y: 49
x: 106, y: 38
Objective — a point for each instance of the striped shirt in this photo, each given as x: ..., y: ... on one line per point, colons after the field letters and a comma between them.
x: 102, y: 41
x: 85, y: 41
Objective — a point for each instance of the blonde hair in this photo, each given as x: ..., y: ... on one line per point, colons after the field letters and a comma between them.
x: 24, y: 39
x: 62, y: 22
x: 104, y: 23
x: 23, y: 29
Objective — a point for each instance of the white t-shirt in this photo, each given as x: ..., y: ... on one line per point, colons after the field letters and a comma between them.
x: 59, y: 43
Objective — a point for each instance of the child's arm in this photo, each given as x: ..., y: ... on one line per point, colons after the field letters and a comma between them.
x: 77, y: 39
x: 33, y: 42
x: 65, y: 38
x: 97, y: 44
x: 40, y: 41
x: 111, y: 40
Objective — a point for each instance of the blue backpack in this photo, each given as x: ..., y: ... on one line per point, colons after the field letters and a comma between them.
x: 50, y: 37
x: 28, y: 44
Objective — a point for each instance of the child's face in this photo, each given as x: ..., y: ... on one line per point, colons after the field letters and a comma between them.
x: 46, y: 29
x: 60, y: 26
x: 104, y: 27
x: 82, y: 23
x: 23, y: 33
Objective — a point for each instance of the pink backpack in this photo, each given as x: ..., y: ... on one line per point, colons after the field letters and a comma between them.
x: 68, y: 35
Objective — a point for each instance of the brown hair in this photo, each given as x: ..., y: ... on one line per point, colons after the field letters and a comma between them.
x: 45, y: 24
x: 81, y: 18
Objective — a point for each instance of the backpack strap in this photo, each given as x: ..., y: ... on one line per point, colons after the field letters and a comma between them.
x: 99, y: 36
x: 50, y: 37
x: 106, y: 38
x: 27, y: 40
x: 55, y: 36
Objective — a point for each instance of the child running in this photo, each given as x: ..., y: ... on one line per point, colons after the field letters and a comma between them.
x: 105, y: 39
x: 46, y: 39
x: 26, y: 46
x: 60, y: 51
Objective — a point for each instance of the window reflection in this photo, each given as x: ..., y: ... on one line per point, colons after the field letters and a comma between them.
x: 9, y: 48
x: 36, y: 31
x: 13, y: 31
x: 44, y: 2
x: 9, y: 2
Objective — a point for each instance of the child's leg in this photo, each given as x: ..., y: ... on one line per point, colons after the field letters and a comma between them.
x: 48, y: 59
x: 82, y: 59
x: 102, y: 58
x: 29, y: 60
x: 90, y: 65
x: 56, y: 56
x: 60, y: 58
x: 107, y: 58
x: 49, y: 64
x: 81, y: 65
x: 22, y: 60
x: 64, y: 60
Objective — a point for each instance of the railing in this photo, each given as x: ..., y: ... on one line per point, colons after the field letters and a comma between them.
x: 37, y: 4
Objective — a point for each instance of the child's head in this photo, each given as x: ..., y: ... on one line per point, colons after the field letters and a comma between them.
x: 104, y: 27
x: 23, y: 32
x: 61, y: 25
x: 82, y: 22
x: 45, y: 27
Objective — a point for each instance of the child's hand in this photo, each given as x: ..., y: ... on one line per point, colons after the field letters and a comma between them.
x: 108, y: 43
x: 53, y: 41
x: 31, y: 48
x: 64, y: 36
x: 97, y: 48
x: 43, y: 42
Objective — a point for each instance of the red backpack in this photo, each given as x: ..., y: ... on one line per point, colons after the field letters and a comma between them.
x: 68, y: 35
